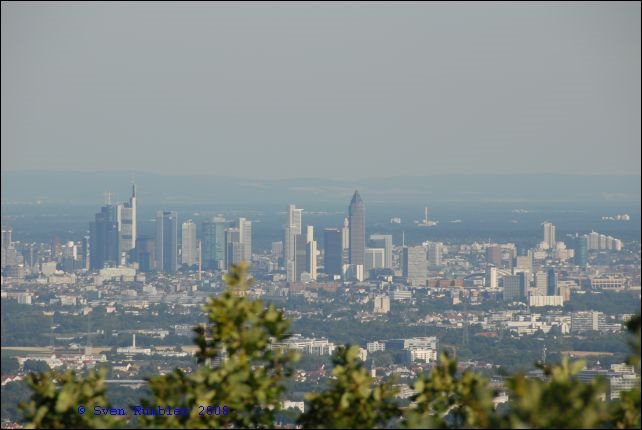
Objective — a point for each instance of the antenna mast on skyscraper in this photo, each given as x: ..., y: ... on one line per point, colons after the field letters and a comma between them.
x: 133, y: 184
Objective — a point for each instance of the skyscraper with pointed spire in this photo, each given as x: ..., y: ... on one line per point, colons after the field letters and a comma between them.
x: 357, y: 214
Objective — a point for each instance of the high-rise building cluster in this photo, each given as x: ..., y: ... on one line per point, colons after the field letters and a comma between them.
x: 300, y: 248
x: 601, y: 242
x: 114, y: 241
x: 345, y: 254
x: 113, y: 234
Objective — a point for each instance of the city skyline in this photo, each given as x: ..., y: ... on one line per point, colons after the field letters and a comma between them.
x: 312, y: 214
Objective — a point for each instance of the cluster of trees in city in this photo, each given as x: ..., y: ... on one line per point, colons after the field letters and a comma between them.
x: 609, y: 302
x: 27, y: 322
x: 239, y: 370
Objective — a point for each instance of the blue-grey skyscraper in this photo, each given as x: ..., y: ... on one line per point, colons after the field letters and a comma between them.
x: 551, y: 282
x: 333, y: 251
x: 514, y: 287
x: 383, y: 241
x: 234, y: 248
x: 357, y: 214
x: 166, y: 241
x: 300, y: 256
x: 213, y: 240
x: 581, y: 250
x: 104, y: 238
x: 145, y: 253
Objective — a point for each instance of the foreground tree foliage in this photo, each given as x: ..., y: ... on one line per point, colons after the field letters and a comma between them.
x: 351, y: 401
x: 626, y: 412
x: 444, y: 400
x: 558, y: 401
x: 240, y: 370
x: 57, y: 396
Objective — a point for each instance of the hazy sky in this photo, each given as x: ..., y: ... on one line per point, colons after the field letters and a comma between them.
x: 323, y: 90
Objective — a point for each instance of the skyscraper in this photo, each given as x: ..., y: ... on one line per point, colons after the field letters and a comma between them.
x: 6, y: 237
x: 70, y: 261
x: 345, y: 234
x: 295, y: 218
x: 594, y: 240
x: 581, y: 250
x: 333, y: 251
x: 277, y: 249
x: 166, y: 241
x: 6, y: 244
x: 549, y: 235
x: 292, y: 229
x: 300, y: 256
x: 491, y: 277
x: 434, y: 253
x: 551, y: 283
x: 213, y: 240
x: 414, y: 265
x: 514, y: 287
x: 540, y: 288
x: 311, y: 257
x: 245, y: 238
x: 104, y: 238
x: 234, y: 252
x: 494, y: 255
x: 357, y: 213
x: 85, y: 251
x: 145, y: 253
x: 289, y: 251
x: 383, y: 241
x: 189, y: 253
x: 127, y: 227
x: 375, y: 258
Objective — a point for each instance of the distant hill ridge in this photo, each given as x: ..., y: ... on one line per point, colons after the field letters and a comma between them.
x: 83, y: 188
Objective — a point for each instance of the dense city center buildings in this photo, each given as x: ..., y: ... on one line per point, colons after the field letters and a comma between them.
x: 406, y: 298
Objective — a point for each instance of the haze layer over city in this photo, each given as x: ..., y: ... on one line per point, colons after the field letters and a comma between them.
x: 417, y: 182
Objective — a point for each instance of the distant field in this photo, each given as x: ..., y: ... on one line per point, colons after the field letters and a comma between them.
x: 12, y: 351
x: 585, y: 353
x: 19, y: 349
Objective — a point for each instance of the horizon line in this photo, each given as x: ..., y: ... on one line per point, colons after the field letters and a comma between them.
x: 210, y: 175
